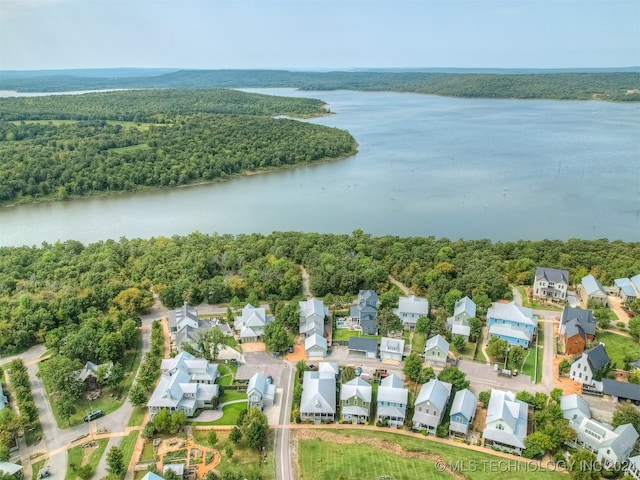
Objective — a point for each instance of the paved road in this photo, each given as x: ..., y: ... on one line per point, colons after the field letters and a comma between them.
x: 284, y: 468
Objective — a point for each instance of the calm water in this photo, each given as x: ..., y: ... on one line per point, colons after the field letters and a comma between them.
x: 447, y: 167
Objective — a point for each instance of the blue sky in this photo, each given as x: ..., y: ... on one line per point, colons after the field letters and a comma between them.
x: 302, y: 34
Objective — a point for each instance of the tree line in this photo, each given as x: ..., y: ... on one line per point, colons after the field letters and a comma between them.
x: 56, y: 291
x: 78, y: 145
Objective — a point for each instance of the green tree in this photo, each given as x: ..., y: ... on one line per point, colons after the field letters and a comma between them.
x: 484, y: 397
x: 564, y: 367
x: 516, y: 356
x: 583, y: 466
x: 212, y: 437
x: 423, y: 325
x: 162, y: 421
x: 497, y: 348
x: 255, y: 428
x: 112, y: 347
x: 170, y: 474
x: 289, y: 315
x: 228, y: 451
x: 426, y: 374
x: 236, y: 435
x: 536, y: 445
x: 115, y: 461
x: 459, y: 342
x: 138, y: 395
x: 388, y: 322
x: 626, y: 412
x: 275, y: 336
x: 450, y: 299
x: 348, y: 374
x: 475, y: 329
x: 412, y: 366
x: 66, y: 406
x: 455, y: 377
x: 115, y: 376
x: 634, y: 326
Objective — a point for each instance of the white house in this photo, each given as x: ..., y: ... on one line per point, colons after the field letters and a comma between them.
x: 633, y: 467
x: 315, y: 346
x: 181, y: 317
x: 551, y: 284
x: 251, y: 323
x: 391, y: 348
x: 574, y: 406
x: 318, y: 402
x: 410, y: 309
x: 186, y: 384
x: 392, y: 401
x: 312, y: 315
x: 611, y: 446
x: 587, y: 365
x: 458, y: 323
x: 506, y: 426
x: 430, y: 405
x: 260, y: 392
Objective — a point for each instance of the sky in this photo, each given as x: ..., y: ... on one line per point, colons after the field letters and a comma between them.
x: 318, y: 34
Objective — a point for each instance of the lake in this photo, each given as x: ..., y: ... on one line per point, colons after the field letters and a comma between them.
x: 427, y: 166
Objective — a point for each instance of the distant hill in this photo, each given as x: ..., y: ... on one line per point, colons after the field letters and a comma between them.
x: 607, y: 85
x: 88, y: 72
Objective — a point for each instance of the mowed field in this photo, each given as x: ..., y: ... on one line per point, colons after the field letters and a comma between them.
x: 359, y: 454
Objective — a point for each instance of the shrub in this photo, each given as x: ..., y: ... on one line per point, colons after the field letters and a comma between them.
x: 621, y: 325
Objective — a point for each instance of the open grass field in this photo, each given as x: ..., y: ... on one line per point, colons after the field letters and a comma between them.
x: 529, y: 364
x: 130, y: 148
x: 618, y: 347
x: 344, y: 334
x: 75, y: 457
x: 140, y: 126
x: 380, y: 453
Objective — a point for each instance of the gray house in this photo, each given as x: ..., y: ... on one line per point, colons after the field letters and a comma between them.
x: 392, y: 401
x: 591, y: 289
x: 260, y: 392
x: 611, y: 446
x: 365, y: 311
x: 430, y: 405
x: 577, y: 327
x: 410, y: 309
x: 312, y: 315
x: 318, y: 402
x: 463, y: 411
x: 458, y: 323
x: 436, y: 351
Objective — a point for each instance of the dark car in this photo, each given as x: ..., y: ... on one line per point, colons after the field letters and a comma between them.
x: 290, y: 348
x: 93, y: 415
x: 311, y: 367
x: 358, y: 371
x: 269, y: 379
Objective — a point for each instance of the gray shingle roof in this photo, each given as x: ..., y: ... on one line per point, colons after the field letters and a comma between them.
x: 597, y: 358
x: 622, y: 390
x: 363, y: 344
x: 552, y: 275
x: 574, y: 317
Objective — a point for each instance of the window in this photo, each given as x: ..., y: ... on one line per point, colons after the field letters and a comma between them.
x: 499, y: 427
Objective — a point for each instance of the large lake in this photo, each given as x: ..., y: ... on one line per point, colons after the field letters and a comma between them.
x: 426, y: 165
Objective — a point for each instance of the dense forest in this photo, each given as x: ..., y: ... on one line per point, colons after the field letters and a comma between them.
x: 76, y: 145
x: 610, y: 86
x: 48, y: 292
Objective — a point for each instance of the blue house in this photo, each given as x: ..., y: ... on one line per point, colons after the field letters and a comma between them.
x: 511, y: 322
x: 392, y: 401
x: 366, y: 311
x: 463, y: 410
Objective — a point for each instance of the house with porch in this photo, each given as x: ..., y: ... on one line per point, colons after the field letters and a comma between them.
x: 633, y: 467
x: 186, y: 384
x: 463, y: 411
x: 550, y: 284
x: 506, y: 426
x: 436, y: 351
x: 391, y: 348
x: 365, y: 311
x: 260, y: 393
x: 589, y: 365
x: 410, y: 309
x: 577, y: 327
x: 318, y: 402
x: 511, y: 322
x: 430, y: 405
x: 392, y: 401
x: 611, y: 446
x: 628, y: 289
x: 312, y: 316
x: 590, y: 288
x: 250, y: 325
x: 355, y: 401
x: 458, y: 323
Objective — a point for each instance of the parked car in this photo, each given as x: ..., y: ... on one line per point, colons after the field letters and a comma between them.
x: 311, y: 367
x: 290, y: 348
x: 93, y: 415
x: 358, y: 371
x: 269, y: 379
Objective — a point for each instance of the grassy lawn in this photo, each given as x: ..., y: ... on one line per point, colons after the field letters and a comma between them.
x: 535, y: 304
x: 137, y: 417
x: 130, y: 148
x: 227, y: 373
x: 325, y: 460
x: 231, y: 395
x: 417, y: 344
x: 35, y: 467
x: 147, y: 451
x: 344, y: 335
x: 127, y: 445
x: 230, y: 414
x: 245, y: 460
x: 528, y: 364
x: 76, y: 454
x: 618, y: 347
x: 479, y: 356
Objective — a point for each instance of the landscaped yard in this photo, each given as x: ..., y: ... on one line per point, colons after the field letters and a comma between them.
x: 231, y: 395
x: 417, y: 344
x: 344, y: 334
x: 76, y: 455
x: 618, y: 347
x: 227, y: 373
x: 535, y: 304
x: 337, y: 455
x: 230, y: 414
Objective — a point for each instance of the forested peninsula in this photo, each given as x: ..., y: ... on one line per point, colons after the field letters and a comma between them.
x: 615, y: 86
x: 66, y: 293
x: 56, y: 147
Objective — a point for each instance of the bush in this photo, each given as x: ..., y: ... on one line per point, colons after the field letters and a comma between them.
x: 621, y: 325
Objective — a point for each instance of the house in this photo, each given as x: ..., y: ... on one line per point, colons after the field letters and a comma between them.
x: 511, y: 322
x: 318, y: 402
x: 152, y: 476
x: 577, y: 327
x: 621, y: 391
x: 9, y: 468
x: 633, y: 467
x: 3, y: 398
x: 190, y: 335
x: 329, y: 368
x: 591, y: 289
x: 506, y: 426
x: 436, y: 351
x: 611, y: 446
x: 315, y: 346
x: 463, y: 411
x: 186, y: 384
x: 410, y: 309
x: 626, y: 289
x: 251, y: 323
x: 365, y: 311
x: 392, y: 401
x: 391, y: 348
x: 430, y: 405
x: 588, y: 365
x: 574, y: 407
x: 89, y: 375
x: 260, y: 392
x: 458, y: 324
x: 312, y: 315
x: 551, y: 284
x: 181, y: 317
x: 355, y: 401
x: 367, y: 347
